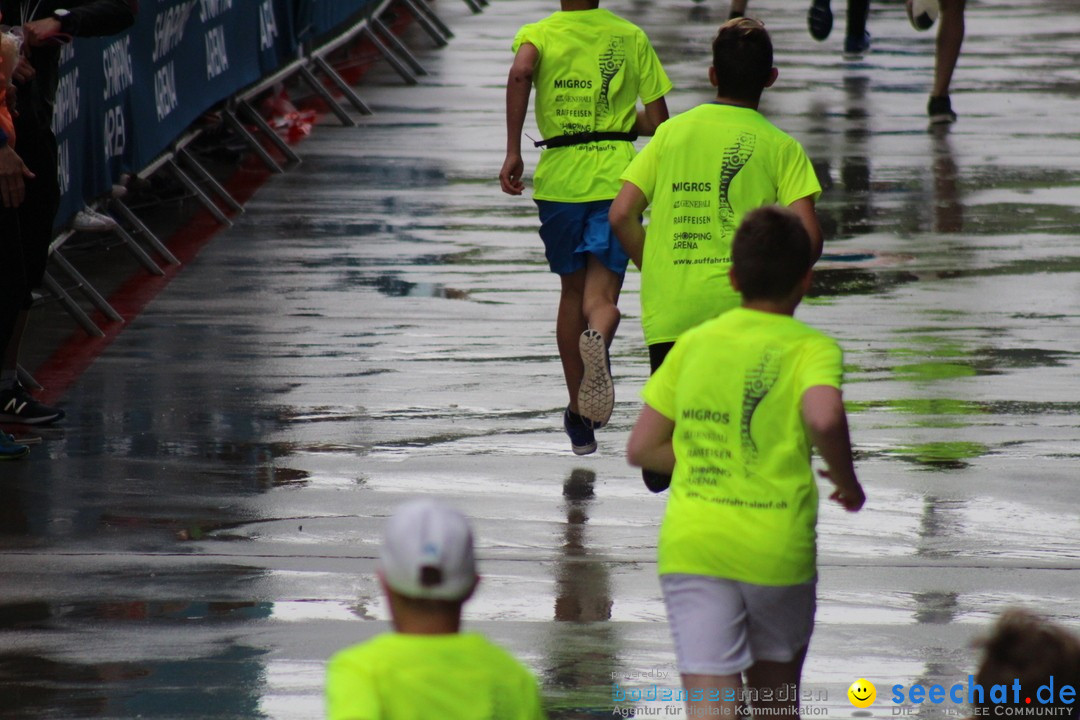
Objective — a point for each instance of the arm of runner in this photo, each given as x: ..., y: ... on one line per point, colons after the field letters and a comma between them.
x: 625, y: 219
x: 518, y: 89
x: 651, y: 117
x: 804, y: 208
x: 649, y: 446
x: 826, y: 424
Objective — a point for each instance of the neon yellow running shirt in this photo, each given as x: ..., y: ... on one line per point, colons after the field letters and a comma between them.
x: 458, y: 676
x: 701, y: 173
x: 592, y: 68
x: 744, y: 500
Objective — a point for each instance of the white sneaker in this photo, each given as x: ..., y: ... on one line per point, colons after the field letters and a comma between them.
x: 88, y: 220
x: 596, y: 397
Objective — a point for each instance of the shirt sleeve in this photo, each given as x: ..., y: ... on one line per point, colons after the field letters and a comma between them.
x: 350, y: 691
x: 654, y: 83
x: 643, y: 168
x: 528, y: 34
x: 822, y: 363
x: 659, y: 390
x: 797, y: 177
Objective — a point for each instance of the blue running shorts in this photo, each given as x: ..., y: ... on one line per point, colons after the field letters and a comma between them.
x: 572, y: 230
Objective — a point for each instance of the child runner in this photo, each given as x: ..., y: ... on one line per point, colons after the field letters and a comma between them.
x: 589, y: 68
x: 701, y: 173
x: 733, y: 413
x: 428, y: 668
x: 1031, y: 650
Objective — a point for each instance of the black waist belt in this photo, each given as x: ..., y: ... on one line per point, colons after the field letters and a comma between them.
x: 585, y: 137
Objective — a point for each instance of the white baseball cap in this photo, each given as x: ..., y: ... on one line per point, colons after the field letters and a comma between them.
x: 427, y: 552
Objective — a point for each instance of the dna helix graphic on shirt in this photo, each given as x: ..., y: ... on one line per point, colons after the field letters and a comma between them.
x: 611, y: 61
x: 759, y: 381
x: 735, y: 158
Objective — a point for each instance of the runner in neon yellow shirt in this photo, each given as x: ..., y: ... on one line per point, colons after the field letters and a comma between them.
x: 732, y: 414
x: 701, y: 173
x: 590, y: 68
x: 401, y: 676
x: 428, y: 668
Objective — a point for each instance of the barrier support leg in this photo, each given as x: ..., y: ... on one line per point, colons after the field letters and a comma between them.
x: 252, y: 141
x: 72, y: 307
x: 264, y: 126
x: 91, y: 294
x: 402, y: 69
x: 429, y: 22
x: 399, y: 47
x: 335, y: 106
x: 343, y: 86
x: 140, y: 227
x: 26, y: 378
x: 193, y: 186
x: 194, y: 164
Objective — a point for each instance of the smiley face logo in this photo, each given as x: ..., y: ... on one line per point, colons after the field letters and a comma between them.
x: 862, y: 693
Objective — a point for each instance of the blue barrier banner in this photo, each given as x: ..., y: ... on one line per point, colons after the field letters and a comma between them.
x: 316, y: 18
x: 124, y: 99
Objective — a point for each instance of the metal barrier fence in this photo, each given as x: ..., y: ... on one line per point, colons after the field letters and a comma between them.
x: 126, y: 103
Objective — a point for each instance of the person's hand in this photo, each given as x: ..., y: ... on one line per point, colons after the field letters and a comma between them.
x: 23, y: 72
x: 510, y: 175
x: 37, y: 32
x: 13, y: 176
x: 851, y: 498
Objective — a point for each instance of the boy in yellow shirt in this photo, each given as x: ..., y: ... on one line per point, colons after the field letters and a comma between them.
x: 703, y: 171
x: 732, y: 414
x: 428, y: 668
x: 589, y: 67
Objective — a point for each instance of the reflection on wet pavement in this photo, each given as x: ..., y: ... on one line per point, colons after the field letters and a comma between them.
x: 201, y: 534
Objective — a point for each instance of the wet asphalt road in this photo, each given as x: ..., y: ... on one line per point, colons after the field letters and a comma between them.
x: 198, y: 537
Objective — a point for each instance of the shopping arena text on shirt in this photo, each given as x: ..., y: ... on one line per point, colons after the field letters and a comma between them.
x: 1000, y: 700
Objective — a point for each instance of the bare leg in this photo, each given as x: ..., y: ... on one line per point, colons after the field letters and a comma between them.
x: 775, y: 677
x: 738, y: 8
x: 713, y: 689
x: 569, y: 325
x: 949, y: 39
x: 601, y: 298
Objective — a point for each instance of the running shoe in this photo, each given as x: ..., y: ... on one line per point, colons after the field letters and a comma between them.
x: 90, y: 220
x: 11, y: 450
x: 581, y: 435
x: 596, y: 396
x: 18, y: 406
x: 922, y: 13
x: 819, y: 19
x: 855, y: 46
x: 940, y: 110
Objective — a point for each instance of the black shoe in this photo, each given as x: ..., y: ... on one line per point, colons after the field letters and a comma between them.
x: 855, y: 46
x: 819, y: 19
x: 18, y: 406
x: 582, y: 439
x: 940, y: 110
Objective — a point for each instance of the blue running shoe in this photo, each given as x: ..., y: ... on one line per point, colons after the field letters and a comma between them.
x: 855, y: 47
x: 11, y: 450
x: 582, y: 439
